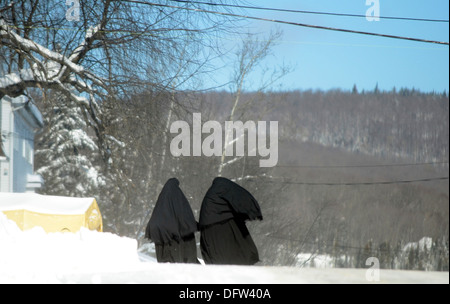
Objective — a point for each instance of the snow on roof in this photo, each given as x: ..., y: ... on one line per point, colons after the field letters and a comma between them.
x: 44, y: 204
x: 24, y: 105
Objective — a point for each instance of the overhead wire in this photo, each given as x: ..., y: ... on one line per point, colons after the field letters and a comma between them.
x: 289, y: 22
x: 385, y: 165
x: 360, y: 165
x: 395, y: 182
x: 289, y: 181
x: 285, y: 22
x: 309, y: 12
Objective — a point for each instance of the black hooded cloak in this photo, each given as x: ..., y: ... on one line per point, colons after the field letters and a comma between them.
x: 172, y: 226
x: 224, y: 237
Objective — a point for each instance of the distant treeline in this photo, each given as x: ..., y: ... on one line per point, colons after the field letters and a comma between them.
x: 403, y: 124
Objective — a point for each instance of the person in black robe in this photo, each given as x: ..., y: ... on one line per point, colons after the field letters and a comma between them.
x: 172, y: 226
x: 224, y: 237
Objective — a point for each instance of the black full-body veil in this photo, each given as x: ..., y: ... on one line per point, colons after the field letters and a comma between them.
x: 172, y: 226
x: 224, y: 237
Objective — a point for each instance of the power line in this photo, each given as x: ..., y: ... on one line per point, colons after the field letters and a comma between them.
x: 397, y: 182
x: 152, y: 34
x: 360, y: 166
x: 272, y: 20
x: 289, y: 22
x: 308, y: 12
x: 356, y: 166
x: 285, y: 181
x: 348, y: 166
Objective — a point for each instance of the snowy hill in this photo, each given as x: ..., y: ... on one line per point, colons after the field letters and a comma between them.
x: 89, y: 257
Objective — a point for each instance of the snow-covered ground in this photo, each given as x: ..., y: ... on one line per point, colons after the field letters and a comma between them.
x: 34, y: 256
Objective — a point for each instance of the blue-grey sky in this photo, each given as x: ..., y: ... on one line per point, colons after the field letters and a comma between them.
x: 332, y: 60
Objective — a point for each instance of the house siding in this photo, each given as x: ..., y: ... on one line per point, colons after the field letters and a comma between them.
x: 18, y: 125
x: 23, y: 161
x: 5, y: 125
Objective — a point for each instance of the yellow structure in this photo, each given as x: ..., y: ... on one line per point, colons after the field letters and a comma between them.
x: 53, y: 213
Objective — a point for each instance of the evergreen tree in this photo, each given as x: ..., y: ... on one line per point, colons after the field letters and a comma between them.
x: 65, y: 154
x: 376, y: 90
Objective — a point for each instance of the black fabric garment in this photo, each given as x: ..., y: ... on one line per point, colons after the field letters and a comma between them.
x: 224, y: 237
x: 225, y: 200
x: 184, y: 251
x: 171, y: 224
x: 229, y: 243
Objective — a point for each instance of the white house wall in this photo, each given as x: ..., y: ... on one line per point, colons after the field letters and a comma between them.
x: 5, y: 127
x: 23, y: 138
x: 19, y: 122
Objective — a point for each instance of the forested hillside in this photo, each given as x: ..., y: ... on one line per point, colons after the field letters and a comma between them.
x: 404, y: 125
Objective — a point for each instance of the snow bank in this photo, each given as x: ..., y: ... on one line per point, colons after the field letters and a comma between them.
x: 87, y: 257
x: 8, y: 229
x: 37, y: 256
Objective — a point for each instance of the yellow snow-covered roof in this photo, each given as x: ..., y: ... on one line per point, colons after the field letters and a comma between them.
x: 53, y: 213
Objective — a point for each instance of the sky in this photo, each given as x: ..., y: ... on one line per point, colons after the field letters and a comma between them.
x: 324, y: 60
